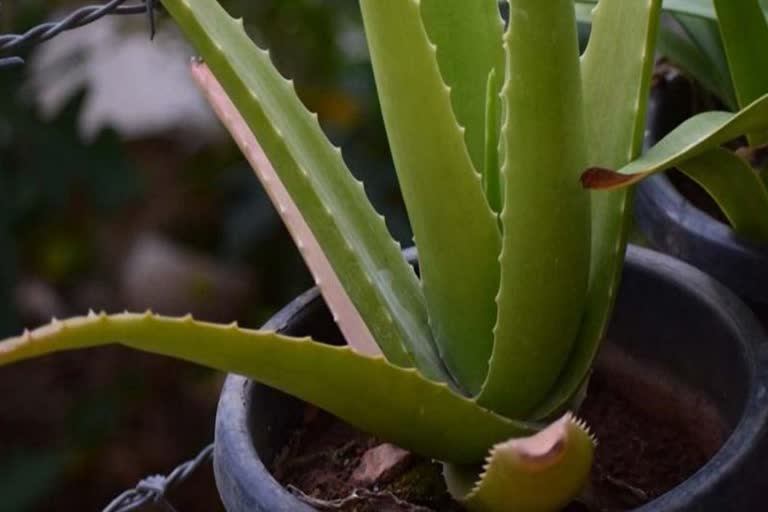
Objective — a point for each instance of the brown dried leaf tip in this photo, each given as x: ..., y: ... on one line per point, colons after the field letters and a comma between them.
x: 600, y: 178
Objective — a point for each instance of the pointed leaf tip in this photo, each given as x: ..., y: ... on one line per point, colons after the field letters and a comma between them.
x: 600, y: 178
x: 540, y: 450
x: 540, y: 473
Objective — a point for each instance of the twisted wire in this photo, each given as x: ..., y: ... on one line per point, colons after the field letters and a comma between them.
x: 154, y: 489
x: 82, y: 16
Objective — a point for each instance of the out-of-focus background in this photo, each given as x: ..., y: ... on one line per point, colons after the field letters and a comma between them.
x: 120, y: 190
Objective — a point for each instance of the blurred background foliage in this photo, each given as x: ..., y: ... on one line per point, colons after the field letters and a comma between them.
x: 118, y: 190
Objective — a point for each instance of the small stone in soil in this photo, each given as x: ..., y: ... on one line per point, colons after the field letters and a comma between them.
x: 380, y: 463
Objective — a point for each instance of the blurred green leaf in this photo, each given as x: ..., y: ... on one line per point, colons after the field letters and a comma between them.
x: 699, y: 52
x: 744, y: 33
x: 736, y: 187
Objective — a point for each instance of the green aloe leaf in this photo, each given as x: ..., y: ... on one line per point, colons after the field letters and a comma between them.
x: 744, y: 32
x: 455, y: 230
x: 346, y: 315
x: 492, y: 172
x: 692, y: 138
x: 394, y: 403
x: 697, y: 49
x: 736, y: 187
x: 543, y: 291
x: 352, y: 235
x: 541, y: 473
x: 697, y: 8
x: 616, y: 91
x: 468, y: 39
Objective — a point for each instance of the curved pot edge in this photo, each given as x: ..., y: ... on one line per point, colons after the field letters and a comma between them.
x: 751, y: 433
x: 677, y: 227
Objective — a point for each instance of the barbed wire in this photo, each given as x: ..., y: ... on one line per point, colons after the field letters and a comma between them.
x: 154, y: 489
x: 78, y: 18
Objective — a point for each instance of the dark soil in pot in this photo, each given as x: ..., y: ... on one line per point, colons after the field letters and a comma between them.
x: 653, y: 434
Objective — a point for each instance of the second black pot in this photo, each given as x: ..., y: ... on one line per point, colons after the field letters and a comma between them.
x: 669, y: 316
x: 677, y: 227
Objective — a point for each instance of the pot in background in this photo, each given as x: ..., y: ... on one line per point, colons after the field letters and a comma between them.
x: 669, y: 316
x: 674, y: 225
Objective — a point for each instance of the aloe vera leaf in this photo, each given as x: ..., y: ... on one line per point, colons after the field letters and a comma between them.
x: 693, y: 137
x: 394, y: 403
x: 699, y: 52
x: 455, y: 230
x: 744, y: 32
x: 736, y: 187
x: 616, y: 76
x: 705, y: 34
x: 541, y: 473
x: 344, y: 312
x: 353, y: 237
x: 491, y: 177
x: 468, y: 39
x: 545, y: 217
x: 696, y: 8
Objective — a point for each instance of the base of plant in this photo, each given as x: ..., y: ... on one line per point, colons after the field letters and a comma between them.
x: 691, y: 319
x: 323, y: 455
x: 649, y: 428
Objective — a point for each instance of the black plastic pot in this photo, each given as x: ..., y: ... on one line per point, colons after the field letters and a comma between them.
x: 669, y: 315
x: 677, y: 227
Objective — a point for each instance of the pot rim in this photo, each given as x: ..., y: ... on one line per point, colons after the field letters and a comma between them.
x: 676, y: 226
x: 234, y: 442
x: 660, y: 190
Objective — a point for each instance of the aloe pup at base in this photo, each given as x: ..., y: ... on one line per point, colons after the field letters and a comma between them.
x: 490, y: 130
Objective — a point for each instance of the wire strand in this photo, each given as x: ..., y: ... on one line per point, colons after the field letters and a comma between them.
x: 12, y: 43
x: 154, y: 489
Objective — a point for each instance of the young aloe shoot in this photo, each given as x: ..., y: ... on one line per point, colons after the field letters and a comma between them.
x: 731, y: 31
x: 490, y: 129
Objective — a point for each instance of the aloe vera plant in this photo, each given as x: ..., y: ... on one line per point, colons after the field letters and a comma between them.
x: 490, y: 129
x: 723, y: 50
